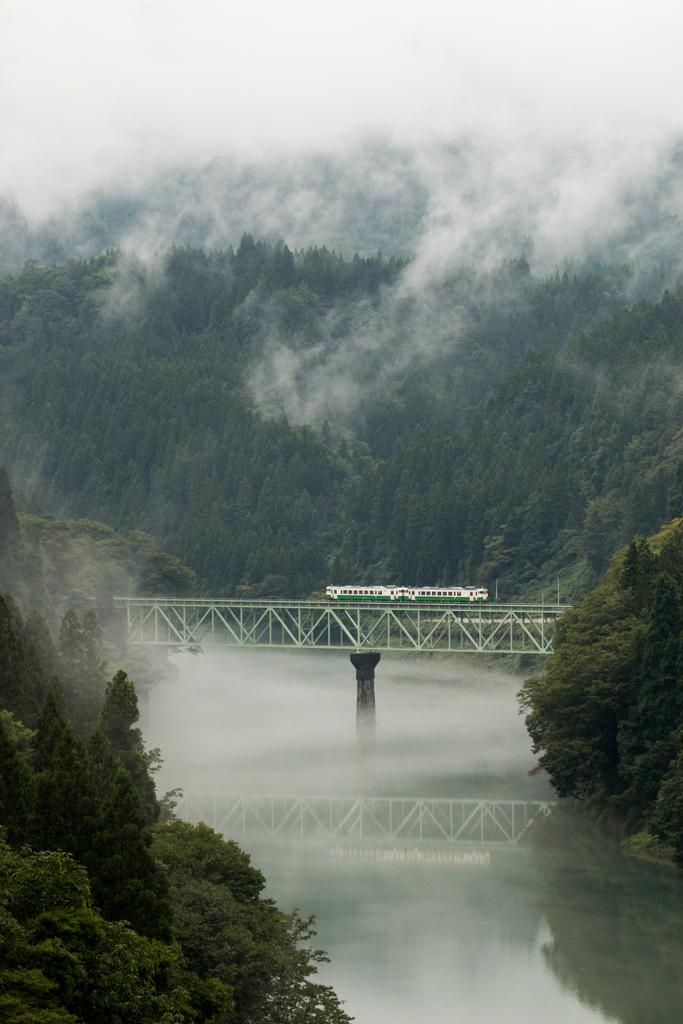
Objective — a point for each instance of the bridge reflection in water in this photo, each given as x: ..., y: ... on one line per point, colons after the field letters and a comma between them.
x: 366, y: 819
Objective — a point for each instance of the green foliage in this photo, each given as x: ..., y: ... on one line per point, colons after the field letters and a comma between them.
x: 606, y: 715
x: 127, y: 883
x: 14, y: 784
x: 49, y: 731
x: 9, y: 524
x: 80, y: 645
x: 117, y: 728
x: 61, y: 962
x: 17, y: 687
x: 19, y: 735
x: 667, y: 814
x: 197, y: 852
x: 120, y: 713
x: 65, y: 800
x: 28, y: 997
x: 227, y: 931
x: 166, y: 575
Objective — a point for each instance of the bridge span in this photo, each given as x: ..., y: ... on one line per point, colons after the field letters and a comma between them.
x: 326, y: 625
x: 366, y: 819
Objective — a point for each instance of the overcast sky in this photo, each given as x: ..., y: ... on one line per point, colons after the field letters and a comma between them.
x: 94, y: 88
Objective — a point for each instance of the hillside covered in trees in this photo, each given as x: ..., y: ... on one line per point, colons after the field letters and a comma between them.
x: 111, y: 910
x: 479, y: 427
x: 606, y: 715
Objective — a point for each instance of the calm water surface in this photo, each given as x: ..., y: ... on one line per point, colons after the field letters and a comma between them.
x: 565, y: 931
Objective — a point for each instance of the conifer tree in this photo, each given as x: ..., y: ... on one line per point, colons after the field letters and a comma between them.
x: 119, y: 714
x: 647, y: 740
x: 126, y: 882
x: 667, y: 816
x: 9, y: 524
x: 84, y: 670
x: 103, y: 762
x: 51, y: 725
x: 65, y: 804
x: 14, y: 782
x: 15, y: 693
x: 638, y: 573
x: 41, y: 655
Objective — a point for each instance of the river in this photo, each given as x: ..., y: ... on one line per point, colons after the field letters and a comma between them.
x: 562, y: 928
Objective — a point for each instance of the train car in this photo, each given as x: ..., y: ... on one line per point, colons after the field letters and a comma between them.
x: 448, y: 594
x: 357, y: 592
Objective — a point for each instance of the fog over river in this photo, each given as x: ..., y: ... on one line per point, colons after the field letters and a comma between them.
x: 564, y: 930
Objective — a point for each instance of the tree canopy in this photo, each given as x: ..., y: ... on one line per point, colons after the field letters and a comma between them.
x: 606, y: 715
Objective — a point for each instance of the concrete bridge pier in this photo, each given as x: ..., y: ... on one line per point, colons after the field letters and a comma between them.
x: 365, y: 664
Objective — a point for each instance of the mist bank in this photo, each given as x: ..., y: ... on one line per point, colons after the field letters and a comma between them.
x: 478, y: 198
x: 276, y: 722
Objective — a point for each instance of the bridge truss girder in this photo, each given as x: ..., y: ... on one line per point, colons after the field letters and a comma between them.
x: 483, y: 629
x: 365, y: 818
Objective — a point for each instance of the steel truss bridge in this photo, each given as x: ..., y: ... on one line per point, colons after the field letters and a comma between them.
x: 476, y: 628
x: 365, y: 818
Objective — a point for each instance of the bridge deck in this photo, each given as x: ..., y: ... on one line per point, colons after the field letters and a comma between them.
x: 481, y: 628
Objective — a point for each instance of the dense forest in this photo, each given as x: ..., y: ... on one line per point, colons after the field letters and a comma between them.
x: 494, y: 427
x: 606, y: 715
x: 110, y: 909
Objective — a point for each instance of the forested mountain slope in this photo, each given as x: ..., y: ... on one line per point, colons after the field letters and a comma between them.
x: 489, y: 426
x: 105, y: 915
x: 606, y: 715
x: 576, y: 452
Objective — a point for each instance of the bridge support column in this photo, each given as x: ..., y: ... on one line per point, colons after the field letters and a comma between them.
x: 365, y: 664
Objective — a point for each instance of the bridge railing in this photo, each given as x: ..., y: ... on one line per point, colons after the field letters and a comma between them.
x: 365, y: 818
x: 377, y: 626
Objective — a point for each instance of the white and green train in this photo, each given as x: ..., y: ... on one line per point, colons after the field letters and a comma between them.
x: 357, y: 592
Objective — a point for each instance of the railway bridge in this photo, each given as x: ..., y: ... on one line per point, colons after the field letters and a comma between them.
x: 330, y: 625
x: 365, y: 629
